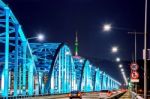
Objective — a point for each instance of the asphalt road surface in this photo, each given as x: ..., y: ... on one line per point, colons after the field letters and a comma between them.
x: 85, y: 96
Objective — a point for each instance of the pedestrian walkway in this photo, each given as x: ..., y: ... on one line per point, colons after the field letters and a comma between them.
x: 127, y: 95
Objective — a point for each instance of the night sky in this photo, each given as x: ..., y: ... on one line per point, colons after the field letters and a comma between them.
x: 60, y: 19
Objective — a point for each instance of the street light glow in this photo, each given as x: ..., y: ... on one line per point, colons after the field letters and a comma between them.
x: 122, y: 70
x: 40, y: 37
x: 120, y: 65
x: 114, y: 49
x: 125, y: 78
x: 118, y: 59
x: 107, y: 27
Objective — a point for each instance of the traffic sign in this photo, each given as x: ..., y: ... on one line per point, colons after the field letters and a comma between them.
x: 134, y: 66
x: 148, y: 54
x: 134, y: 75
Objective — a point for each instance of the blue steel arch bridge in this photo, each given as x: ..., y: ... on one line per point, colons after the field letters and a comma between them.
x: 43, y: 68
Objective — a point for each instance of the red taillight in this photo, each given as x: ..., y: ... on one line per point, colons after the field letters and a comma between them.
x: 109, y: 93
x: 79, y: 94
x: 69, y: 95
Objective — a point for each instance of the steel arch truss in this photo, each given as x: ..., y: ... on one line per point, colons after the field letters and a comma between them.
x: 15, y: 55
x: 89, y: 78
x: 42, y: 68
x: 55, y: 66
x: 85, y: 74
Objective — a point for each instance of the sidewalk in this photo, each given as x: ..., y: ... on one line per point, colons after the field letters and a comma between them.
x: 127, y: 95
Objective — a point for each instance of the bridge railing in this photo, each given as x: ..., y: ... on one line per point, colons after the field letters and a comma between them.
x: 135, y: 96
x: 34, y: 96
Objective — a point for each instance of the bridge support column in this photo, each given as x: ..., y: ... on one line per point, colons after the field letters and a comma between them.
x: 101, y: 80
x: 112, y: 84
x: 59, y: 73
x: 30, y: 78
x: 36, y: 85
x: 24, y: 46
x: 65, y: 72
x: 41, y: 87
x: 104, y: 83
x: 16, y: 63
x: 20, y: 79
x: 108, y: 82
x: 5, y: 78
x: 9, y: 86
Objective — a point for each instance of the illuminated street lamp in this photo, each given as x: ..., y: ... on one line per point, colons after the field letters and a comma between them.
x: 114, y: 49
x: 107, y: 27
x: 122, y: 70
x: 40, y: 37
x: 118, y: 59
x: 120, y: 65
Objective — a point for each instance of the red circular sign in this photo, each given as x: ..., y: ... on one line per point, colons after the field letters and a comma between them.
x: 134, y: 75
x: 134, y: 66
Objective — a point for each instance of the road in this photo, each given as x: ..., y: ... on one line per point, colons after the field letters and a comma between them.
x: 85, y: 96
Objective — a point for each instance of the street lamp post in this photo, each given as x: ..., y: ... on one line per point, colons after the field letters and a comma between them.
x: 135, y: 52
x: 108, y: 27
x: 145, y: 50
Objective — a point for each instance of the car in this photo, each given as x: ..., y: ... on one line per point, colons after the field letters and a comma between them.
x: 119, y: 91
x: 75, y: 95
x: 105, y: 94
x: 123, y: 90
x: 114, y: 91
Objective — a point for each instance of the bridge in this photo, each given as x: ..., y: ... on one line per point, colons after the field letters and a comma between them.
x: 28, y: 69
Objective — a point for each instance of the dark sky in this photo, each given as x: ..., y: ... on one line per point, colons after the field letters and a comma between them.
x: 60, y: 19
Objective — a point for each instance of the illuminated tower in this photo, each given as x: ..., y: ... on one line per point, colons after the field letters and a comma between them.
x: 76, y: 45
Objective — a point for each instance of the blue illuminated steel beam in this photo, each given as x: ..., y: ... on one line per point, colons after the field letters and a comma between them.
x: 87, y: 78
x: 55, y: 59
x: 98, y: 80
x: 16, y: 63
x: 5, y: 71
x: 43, y: 67
x: 11, y: 26
x: 48, y: 83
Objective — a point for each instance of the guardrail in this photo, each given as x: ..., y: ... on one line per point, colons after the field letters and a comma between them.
x: 135, y: 96
x: 33, y: 96
x: 116, y: 96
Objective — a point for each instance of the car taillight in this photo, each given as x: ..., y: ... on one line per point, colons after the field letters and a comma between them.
x: 69, y: 95
x: 79, y: 94
x: 108, y: 93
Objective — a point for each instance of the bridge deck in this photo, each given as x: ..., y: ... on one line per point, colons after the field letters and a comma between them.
x: 127, y: 95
